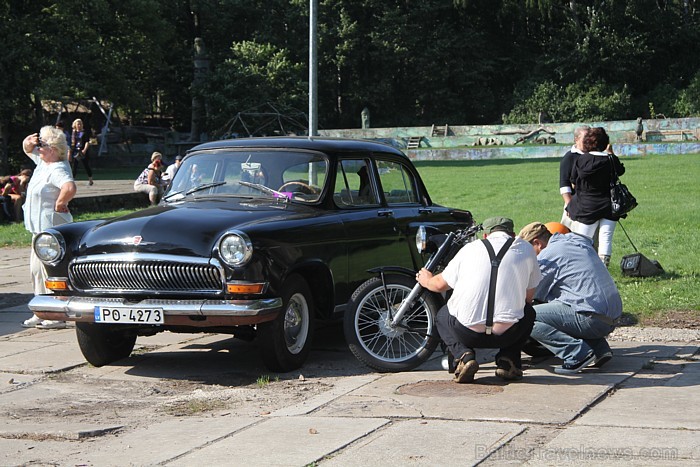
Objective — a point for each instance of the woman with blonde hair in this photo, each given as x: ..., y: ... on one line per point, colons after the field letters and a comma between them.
x: 49, y: 191
x: 79, y: 145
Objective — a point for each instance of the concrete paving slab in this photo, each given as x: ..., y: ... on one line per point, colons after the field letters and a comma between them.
x: 155, y: 444
x: 57, y: 431
x: 434, y: 395
x: 652, y: 350
x: 427, y: 443
x: 149, y: 445
x: 617, y: 446
x: 37, y: 356
x: 664, y: 396
x: 283, y: 441
x: 48, y: 336
x: 340, y: 388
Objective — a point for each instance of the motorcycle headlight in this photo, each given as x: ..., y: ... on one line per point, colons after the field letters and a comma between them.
x: 235, y: 249
x: 421, y: 239
x: 49, y: 247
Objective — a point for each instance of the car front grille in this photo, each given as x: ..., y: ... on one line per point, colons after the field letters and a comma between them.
x: 147, y: 273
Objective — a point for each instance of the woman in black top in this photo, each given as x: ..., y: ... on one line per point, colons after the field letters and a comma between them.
x: 590, y: 206
x: 79, y: 142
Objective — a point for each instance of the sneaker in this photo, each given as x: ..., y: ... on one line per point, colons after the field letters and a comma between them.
x: 48, y: 324
x: 507, y: 370
x: 573, y: 368
x: 466, y: 369
x: 603, y: 359
x: 32, y: 322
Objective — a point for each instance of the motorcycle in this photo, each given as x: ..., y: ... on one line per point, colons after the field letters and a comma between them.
x: 390, y: 321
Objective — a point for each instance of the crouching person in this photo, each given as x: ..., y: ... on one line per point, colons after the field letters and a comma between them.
x: 580, y: 300
x: 493, y: 283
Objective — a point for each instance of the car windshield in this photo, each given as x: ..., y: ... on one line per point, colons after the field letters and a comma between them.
x: 281, y: 174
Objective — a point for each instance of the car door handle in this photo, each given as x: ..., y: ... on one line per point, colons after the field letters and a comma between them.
x: 385, y: 213
x: 425, y: 211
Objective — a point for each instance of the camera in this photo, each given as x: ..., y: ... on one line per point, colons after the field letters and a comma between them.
x: 40, y: 143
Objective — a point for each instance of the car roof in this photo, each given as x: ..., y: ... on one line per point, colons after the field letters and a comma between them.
x: 329, y: 145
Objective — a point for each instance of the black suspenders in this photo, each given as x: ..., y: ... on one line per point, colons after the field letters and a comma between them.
x: 495, y: 262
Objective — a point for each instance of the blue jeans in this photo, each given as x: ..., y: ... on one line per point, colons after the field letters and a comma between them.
x: 569, y: 335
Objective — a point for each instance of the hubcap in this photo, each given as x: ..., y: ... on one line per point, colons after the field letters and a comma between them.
x: 296, y: 323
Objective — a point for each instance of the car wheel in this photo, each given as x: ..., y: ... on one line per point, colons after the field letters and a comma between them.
x: 372, y: 337
x: 102, y: 344
x: 285, y: 342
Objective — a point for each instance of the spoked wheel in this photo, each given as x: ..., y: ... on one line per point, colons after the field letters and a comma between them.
x: 285, y: 342
x: 369, y: 331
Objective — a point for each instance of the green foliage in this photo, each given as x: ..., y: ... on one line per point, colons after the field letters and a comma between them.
x: 576, y: 102
x: 410, y: 63
x: 254, y: 74
x: 688, y: 102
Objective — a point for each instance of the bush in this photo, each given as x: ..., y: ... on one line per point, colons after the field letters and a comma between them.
x: 574, y: 103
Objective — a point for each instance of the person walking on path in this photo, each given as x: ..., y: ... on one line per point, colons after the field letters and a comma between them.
x: 50, y: 190
x: 79, y: 145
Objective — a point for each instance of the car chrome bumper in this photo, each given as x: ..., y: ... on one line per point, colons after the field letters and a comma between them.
x: 71, y: 308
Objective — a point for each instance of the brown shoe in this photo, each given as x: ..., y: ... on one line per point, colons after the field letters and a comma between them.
x: 507, y: 370
x: 466, y: 369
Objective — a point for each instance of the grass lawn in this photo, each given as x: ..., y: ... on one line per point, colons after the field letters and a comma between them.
x: 663, y: 227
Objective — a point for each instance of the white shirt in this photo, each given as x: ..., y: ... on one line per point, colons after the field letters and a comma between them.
x: 469, y: 274
x: 170, y: 172
x: 42, y: 193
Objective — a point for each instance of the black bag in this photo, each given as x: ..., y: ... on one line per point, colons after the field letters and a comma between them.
x: 621, y: 199
x: 638, y: 265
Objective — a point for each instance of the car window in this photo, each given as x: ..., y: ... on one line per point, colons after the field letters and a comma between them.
x: 304, y: 180
x: 397, y: 182
x: 353, y: 184
x: 299, y: 176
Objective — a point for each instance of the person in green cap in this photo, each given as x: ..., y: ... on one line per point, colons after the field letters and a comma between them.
x: 464, y: 323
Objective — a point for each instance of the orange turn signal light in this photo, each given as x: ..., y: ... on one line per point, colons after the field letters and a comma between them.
x: 245, y: 287
x: 56, y: 283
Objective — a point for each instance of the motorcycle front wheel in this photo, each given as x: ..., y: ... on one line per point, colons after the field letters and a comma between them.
x: 369, y: 331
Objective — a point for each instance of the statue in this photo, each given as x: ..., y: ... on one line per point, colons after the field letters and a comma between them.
x: 365, y: 118
x: 640, y: 129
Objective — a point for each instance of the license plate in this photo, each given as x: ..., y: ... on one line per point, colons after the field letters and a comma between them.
x: 122, y: 315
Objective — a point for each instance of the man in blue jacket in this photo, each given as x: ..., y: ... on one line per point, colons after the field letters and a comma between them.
x: 579, y: 301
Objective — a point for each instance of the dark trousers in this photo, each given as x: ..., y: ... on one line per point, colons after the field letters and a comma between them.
x: 460, y: 339
x: 85, y: 160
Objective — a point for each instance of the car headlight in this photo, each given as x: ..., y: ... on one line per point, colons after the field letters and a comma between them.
x: 421, y: 239
x: 235, y: 248
x: 49, y: 247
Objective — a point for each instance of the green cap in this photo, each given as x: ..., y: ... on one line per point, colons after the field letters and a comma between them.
x: 498, y: 224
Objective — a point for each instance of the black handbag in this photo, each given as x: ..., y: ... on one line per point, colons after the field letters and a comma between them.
x: 621, y: 199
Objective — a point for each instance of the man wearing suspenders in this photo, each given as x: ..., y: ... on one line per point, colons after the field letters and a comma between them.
x: 493, y: 283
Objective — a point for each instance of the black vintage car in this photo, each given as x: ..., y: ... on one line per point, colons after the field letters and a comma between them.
x: 254, y: 237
